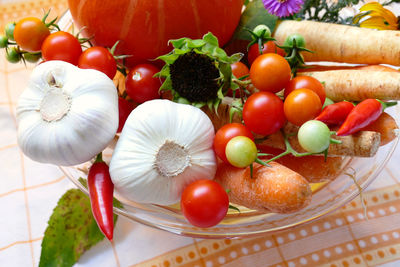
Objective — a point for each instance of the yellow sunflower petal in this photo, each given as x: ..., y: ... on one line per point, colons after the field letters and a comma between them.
x: 377, y: 23
x: 371, y: 6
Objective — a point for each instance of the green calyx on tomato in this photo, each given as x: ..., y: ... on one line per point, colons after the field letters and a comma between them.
x: 293, y: 45
x: 198, y: 71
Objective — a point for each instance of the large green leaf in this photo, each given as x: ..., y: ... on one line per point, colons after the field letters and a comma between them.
x: 254, y: 14
x: 71, y: 231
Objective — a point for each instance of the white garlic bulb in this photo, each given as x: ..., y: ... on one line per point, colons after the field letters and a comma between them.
x: 163, y: 147
x: 67, y: 115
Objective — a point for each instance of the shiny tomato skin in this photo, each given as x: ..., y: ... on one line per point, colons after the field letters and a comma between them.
x: 263, y: 113
x: 98, y: 58
x: 302, y: 105
x: 269, y: 47
x: 239, y: 69
x: 29, y: 33
x: 225, y: 134
x: 204, y: 203
x: 306, y: 82
x: 140, y: 85
x: 125, y: 108
x: 61, y: 46
x: 270, y: 72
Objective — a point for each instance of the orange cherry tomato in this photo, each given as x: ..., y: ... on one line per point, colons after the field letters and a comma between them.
x: 29, y: 33
x: 270, y: 72
x: 306, y: 82
x: 301, y: 105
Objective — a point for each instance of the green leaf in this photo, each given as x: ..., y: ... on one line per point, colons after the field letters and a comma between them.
x: 235, y: 57
x: 168, y: 58
x: 196, y: 43
x: 178, y: 43
x: 167, y: 84
x: 254, y: 14
x: 71, y: 231
x: 211, y: 39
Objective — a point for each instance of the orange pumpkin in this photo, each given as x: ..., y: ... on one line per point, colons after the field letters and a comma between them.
x: 145, y: 26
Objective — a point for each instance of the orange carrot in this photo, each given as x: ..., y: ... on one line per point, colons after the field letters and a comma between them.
x: 385, y: 125
x: 314, y: 168
x: 275, y: 188
x: 343, y: 43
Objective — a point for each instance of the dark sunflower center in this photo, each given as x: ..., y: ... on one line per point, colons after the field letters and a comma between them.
x: 195, y: 77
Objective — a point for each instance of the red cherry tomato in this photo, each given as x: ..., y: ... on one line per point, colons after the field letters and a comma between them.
x: 204, y: 203
x: 269, y: 47
x: 263, y: 113
x: 61, y: 46
x: 29, y: 33
x: 225, y: 134
x: 98, y: 58
x: 238, y: 70
x: 140, y: 84
x: 302, y: 105
x: 270, y: 72
x: 308, y: 82
x: 124, y: 109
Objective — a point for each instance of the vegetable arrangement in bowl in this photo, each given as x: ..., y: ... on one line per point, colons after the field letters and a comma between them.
x: 220, y: 136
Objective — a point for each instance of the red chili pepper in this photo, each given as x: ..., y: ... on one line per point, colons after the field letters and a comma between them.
x: 335, y: 114
x: 365, y: 113
x: 101, y: 191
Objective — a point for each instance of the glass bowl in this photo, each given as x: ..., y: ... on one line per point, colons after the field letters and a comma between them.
x: 326, y: 198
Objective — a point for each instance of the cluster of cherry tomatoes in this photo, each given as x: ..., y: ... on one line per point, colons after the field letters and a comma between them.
x: 264, y: 112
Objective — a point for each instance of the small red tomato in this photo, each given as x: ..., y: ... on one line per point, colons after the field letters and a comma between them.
x: 270, y: 72
x: 140, y: 84
x: 124, y: 109
x: 239, y: 70
x: 269, y: 47
x: 61, y: 46
x: 263, y: 113
x: 308, y: 82
x: 302, y: 105
x: 204, y: 203
x: 29, y: 33
x: 225, y: 134
x: 98, y: 58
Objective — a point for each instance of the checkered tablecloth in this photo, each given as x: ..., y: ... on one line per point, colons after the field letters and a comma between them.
x: 29, y: 191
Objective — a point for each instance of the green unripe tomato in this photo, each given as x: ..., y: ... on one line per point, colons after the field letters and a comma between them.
x: 258, y: 30
x: 327, y: 102
x: 241, y: 151
x: 300, y: 42
x: 9, y: 30
x: 3, y: 41
x: 12, y: 55
x: 314, y: 136
x: 32, y: 57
